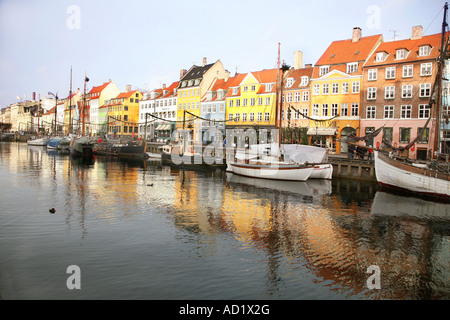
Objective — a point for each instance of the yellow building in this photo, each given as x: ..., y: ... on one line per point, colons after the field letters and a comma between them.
x: 251, y: 103
x: 192, y: 86
x: 123, y: 114
x: 336, y: 91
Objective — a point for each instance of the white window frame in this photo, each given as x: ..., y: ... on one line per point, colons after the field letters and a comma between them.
x: 407, y: 91
x: 326, y: 88
x: 388, y: 112
x: 355, y: 87
x: 371, y: 112
x: 352, y: 67
x: 424, y: 51
x: 355, y: 109
x: 305, y: 96
x: 344, y: 109
x: 390, y: 73
x: 405, y: 111
x: 323, y: 70
x: 372, y: 93
x: 372, y: 74
x: 345, y: 88
x: 335, y: 88
x: 425, y: 90
x: 316, y: 89
x: 389, y: 92
x: 426, y: 69
x: 408, y: 71
x: 424, y: 111
x: 266, y: 116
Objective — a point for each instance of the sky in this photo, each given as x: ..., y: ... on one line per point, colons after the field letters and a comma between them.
x: 146, y: 43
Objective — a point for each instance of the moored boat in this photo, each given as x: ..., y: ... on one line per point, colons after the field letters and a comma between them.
x: 53, y: 143
x: 82, y: 147
x: 38, y: 142
x: 124, y: 149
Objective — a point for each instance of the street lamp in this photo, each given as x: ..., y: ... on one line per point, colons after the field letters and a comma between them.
x: 56, y: 108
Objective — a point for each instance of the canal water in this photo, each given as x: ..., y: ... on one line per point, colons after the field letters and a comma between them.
x: 143, y: 230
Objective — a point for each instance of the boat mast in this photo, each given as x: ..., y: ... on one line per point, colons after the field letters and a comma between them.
x: 70, y: 102
x: 82, y: 108
x: 439, y: 75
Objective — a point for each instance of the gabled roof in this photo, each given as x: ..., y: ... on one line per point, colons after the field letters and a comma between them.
x: 341, y: 52
x: 126, y: 94
x: 196, y: 72
x: 297, y: 75
x: 412, y: 46
x: 100, y: 88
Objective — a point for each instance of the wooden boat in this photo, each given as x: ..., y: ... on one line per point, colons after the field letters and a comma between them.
x: 38, y: 142
x: 82, y: 147
x: 53, y: 143
x: 272, y: 170
x: 123, y: 149
x: 187, y: 156
x: 401, y: 175
x: 431, y: 179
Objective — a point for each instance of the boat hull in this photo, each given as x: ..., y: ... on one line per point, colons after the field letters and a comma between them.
x: 291, y: 172
x: 393, y: 174
x: 322, y: 171
x: 38, y: 142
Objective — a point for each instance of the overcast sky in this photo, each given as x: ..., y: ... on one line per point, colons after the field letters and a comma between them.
x: 145, y: 43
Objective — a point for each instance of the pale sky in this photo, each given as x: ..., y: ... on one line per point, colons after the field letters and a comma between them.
x: 145, y: 43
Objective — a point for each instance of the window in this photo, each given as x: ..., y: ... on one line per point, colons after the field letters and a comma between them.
x: 245, y: 102
x: 289, y: 97
x: 424, y: 111
x: 315, y: 110
x: 405, y: 135
x: 245, y: 88
x: 316, y: 89
x: 344, y: 109
x: 259, y: 116
x: 371, y: 93
x: 355, y: 87
x: 324, y: 70
x: 260, y: 101
x: 244, y: 117
x: 400, y: 54
x: 355, y: 109
x: 235, y: 90
x: 352, y: 67
x: 371, y: 112
x: 230, y: 103
x: 423, y: 138
x: 388, y: 112
x: 325, y: 109
x: 325, y: 88
x: 372, y: 75
x: 305, y: 96
x: 252, y: 87
x: 266, y: 116
x: 345, y: 87
x: 304, y: 112
x: 269, y: 87
x: 252, y: 116
x: 267, y: 101
x: 304, y: 81
x: 289, y: 82
x: 407, y: 91
x: 425, y: 69
x: 423, y: 51
x: 230, y: 117
x: 380, y: 56
x: 236, y: 117
x: 425, y: 90
x: 335, y: 88
x: 388, y: 133
x: 238, y: 102
x: 405, y: 112
x: 407, y: 71
x: 389, y: 92
x: 390, y: 73
x: 334, y: 109
x: 297, y: 97
x: 252, y: 101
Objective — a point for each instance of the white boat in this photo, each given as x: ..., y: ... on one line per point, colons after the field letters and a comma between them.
x: 396, y: 174
x: 271, y: 169
x: 38, y: 142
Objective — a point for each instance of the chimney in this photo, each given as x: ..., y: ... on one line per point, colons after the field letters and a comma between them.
x: 128, y: 88
x: 308, y: 65
x: 298, y: 59
x: 357, y: 32
x: 182, y: 73
x: 204, y: 62
x: 227, y: 75
x: 416, y: 33
x: 164, y: 86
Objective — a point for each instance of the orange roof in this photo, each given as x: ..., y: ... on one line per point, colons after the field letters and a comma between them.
x: 345, y: 51
x: 99, y: 88
x: 266, y: 76
x: 126, y: 94
x: 412, y: 47
x: 297, y: 75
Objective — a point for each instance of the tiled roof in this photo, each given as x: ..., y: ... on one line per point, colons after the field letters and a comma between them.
x: 412, y: 47
x: 126, y: 94
x: 196, y: 72
x: 100, y: 88
x: 297, y: 75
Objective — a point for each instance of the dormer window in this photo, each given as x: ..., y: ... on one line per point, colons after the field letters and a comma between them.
x: 424, y: 51
x: 324, y: 70
x: 304, y: 81
x: 400, y: 54
x: 235, y: 91
x: 269, y: 87
x: 289, y: 82
x: 380, y: 56
x: 352, y: 67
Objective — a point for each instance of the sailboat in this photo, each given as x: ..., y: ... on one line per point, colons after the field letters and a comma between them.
x: 274, y: 167
x: 431, y: 179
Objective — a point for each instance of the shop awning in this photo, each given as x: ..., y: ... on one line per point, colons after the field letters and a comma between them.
x: 321, y: 131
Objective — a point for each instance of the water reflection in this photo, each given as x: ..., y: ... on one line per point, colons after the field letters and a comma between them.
x: 291, y: 240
